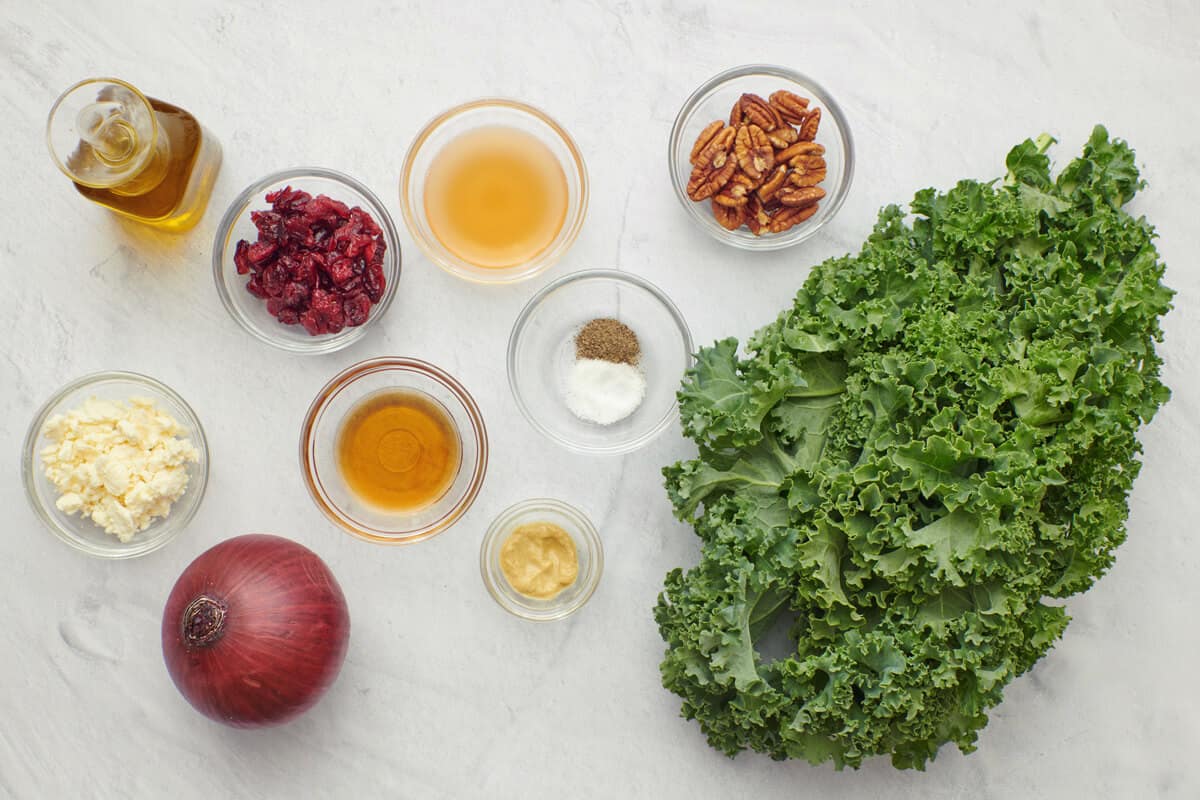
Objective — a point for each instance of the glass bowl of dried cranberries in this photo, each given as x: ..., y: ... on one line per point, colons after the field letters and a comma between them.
x: 761, y: 157
x: 307, y: 259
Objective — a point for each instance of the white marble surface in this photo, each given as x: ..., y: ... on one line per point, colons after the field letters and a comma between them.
x: 442, y: 694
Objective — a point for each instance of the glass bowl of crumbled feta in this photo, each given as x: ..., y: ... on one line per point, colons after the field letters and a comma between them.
x: 115, y: 464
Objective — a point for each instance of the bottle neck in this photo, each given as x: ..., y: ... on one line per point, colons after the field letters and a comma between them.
x: 151, y: 175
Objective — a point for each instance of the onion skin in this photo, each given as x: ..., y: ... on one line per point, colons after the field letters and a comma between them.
x: 255, y: 630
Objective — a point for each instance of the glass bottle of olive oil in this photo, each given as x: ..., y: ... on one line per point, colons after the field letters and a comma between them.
x: 135, y: 155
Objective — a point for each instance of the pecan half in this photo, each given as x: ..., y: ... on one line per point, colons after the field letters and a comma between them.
x: 707, y: 181
x: 787, y: 218
x: 716, y: 152
x: 750, y: 183
x: 791, y: 106
x: 773, y: 183
x: 705, y: 137
x: 807, y: 170
x: 752, y: 108
x: 729, y: 218
x: 732, y: 196
x: 737, y: 192
x: 800, y: 149
x: 754, y: 153
x: 758, y: 219
x: 799, y: 197
x: 808, y: 130
x: 782, y: 137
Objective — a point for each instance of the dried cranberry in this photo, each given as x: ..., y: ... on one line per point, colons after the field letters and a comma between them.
x: 289, y: 199
x: 294, y: 295
x: 314, y: 323
x: 317, y: 262
x: 326, y: 208
x: 240, y: 259
x: 274, y: 278
x: 324, y: 314
x: 356, y: 307
x: 298, y: 228
x: 305, y: 268
x: 259, y: 252
x: 341, y: 270
x: 254, y: 287
x: 269, y: 224
x: 374, y: 282
x: 363, y: 220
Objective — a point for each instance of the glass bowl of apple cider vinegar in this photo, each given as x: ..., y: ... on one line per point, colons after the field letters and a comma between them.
x: 494, y: 191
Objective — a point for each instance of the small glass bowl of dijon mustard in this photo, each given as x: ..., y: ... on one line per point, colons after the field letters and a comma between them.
x: 541, y: 559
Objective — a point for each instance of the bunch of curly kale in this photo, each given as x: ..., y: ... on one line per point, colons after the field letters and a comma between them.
x: 935, y: 440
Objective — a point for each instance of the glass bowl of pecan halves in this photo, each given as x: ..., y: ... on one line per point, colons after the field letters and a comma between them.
x: 761, y: 157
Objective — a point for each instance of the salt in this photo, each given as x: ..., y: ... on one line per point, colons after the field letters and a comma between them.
x: 604, y: 392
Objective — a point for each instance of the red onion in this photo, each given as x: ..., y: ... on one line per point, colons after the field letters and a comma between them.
x: 255, y: 631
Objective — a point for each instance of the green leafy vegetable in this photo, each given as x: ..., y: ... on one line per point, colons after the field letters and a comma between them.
x: 912, y: 462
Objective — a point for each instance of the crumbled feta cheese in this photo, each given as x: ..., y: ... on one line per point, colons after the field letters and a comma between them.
x: 122, y: 464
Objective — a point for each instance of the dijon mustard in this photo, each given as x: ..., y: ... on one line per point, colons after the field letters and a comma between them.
x: 539, y: 560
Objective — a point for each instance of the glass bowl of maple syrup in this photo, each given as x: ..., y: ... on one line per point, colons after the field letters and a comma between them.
x: 494, y: 191
x: 393, y: 450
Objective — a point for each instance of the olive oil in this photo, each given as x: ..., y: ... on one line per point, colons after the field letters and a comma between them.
x: 138, y: 156
x: 398, y: 450
x: 496, y: 197
x: 178, y: 201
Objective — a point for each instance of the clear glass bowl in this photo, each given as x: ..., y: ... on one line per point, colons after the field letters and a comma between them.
x: 318, y: 450
x: 79, y: 531
x: 588, y: 549
x: 713, y: 101
x: 541, y: 349
x: 489, y: 112
x: 251, y: 312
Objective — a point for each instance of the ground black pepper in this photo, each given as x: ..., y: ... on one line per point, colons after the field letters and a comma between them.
x: 608, y: 340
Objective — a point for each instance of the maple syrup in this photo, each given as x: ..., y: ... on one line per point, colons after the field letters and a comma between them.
x: 496, y: 197
x: 138, y: 156
x: 398, y: 450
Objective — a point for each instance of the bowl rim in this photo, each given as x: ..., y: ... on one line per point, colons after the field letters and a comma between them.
x: 121, y: 550
x: 464, y: 269
x: 500, y: 525
x: 317, y: 344
x: 344, y: 380
x: 527, y: 312
x: 836, y: 198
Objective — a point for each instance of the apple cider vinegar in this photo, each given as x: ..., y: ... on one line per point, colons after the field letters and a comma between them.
x: 496, y: 197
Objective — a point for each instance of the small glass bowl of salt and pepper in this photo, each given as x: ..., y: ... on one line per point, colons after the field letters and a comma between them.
x: 594, y: 360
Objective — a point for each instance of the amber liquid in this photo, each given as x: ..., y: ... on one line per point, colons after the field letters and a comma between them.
x: 496, y: 197
x: 178, y: 201
x: 398, y: 450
